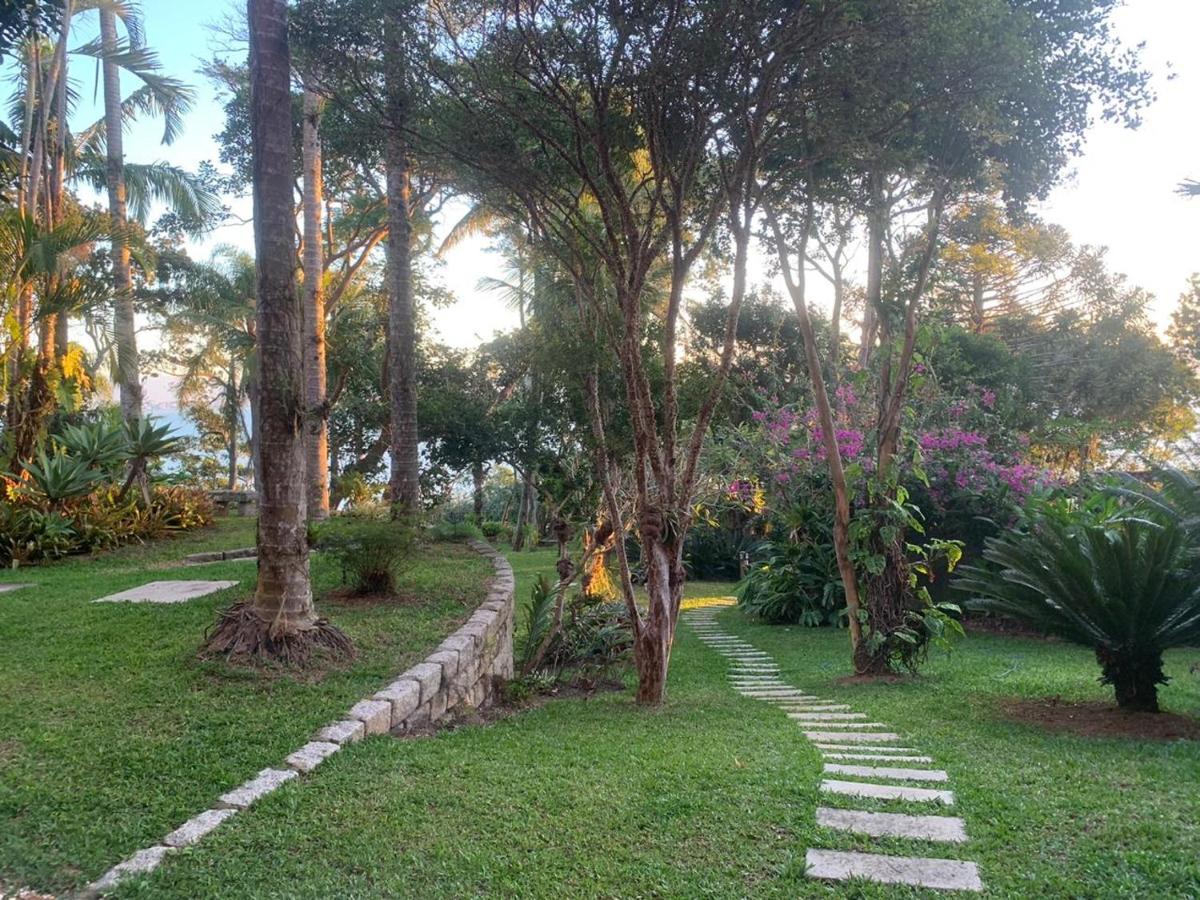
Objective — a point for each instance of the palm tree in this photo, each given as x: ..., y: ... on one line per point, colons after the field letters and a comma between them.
x: 281, y: 621
x: 315, y: 399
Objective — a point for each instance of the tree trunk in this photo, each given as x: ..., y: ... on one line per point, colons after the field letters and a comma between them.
x: 477, y: 492
x: 281, y: 621
x: 876, y: 223
x: 1135, y: 677
x: 402, y: 387
x: 664, y: 590
x: 124, y: 325
x: 315, y: 398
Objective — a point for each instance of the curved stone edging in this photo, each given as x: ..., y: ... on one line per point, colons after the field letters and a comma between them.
x: 464, y: 671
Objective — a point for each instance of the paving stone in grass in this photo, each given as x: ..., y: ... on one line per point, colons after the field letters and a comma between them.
x: 945, y: 829
x: 820, y: 716
x: 816, y: 707
x: 139, y: 864
x: 940, y: 874
x: 5, y: 588
x: 823, y: 745
x: 312, y: 755
x: 167, y: 592
x: 887, y: 792
x: 344, y: 732
x: 887, y: 772
x: 197, y: 827
x: 851, y: 737
x: 256, y: 788
x: 877, y: 756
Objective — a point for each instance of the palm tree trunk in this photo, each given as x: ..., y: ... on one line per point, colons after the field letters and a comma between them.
x: 402, y: 388
x: 315, y: 388
x: 281, y: 621
x: 124, y: 326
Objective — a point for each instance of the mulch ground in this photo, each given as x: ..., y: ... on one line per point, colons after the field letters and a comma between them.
x: 1100, y: 719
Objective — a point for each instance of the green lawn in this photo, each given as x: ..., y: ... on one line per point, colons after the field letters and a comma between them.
x: 714, y: 795
x: 113, y: 733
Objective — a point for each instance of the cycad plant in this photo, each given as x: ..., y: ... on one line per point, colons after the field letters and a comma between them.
x: 1125, y: 587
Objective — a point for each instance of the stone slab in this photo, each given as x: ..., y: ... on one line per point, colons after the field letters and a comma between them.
x: 887, y: 792
x: 940, y: 874
x: 887, y: 772
x: 404, y: 695
x: 312, y: 755
x: 836, y: 724
x: 347, y: 731
x: 140, y: 863
x: 820, y: 716
x: 821, y: 745
x: 944, y: 829
x: 876, y: 756
x: 5, y: 588
x: 817, y: 706
x: 167, y: 592
x: 256, y: 788
x: 197, y: 827
x: 376, y: 715
x: 428, y: 675
x: 852, y: 737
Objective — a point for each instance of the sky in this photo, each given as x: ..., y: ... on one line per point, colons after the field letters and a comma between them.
x: 1120, y: 193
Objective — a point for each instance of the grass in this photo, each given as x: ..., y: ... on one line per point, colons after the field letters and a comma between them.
x: 714, y: 794
x: 114, y: 733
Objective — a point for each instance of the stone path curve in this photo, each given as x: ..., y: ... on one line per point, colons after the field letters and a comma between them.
x: 861, y: 760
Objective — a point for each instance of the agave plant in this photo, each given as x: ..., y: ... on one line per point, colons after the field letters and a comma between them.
x: 146, y: 441
x: 1124, y: 587
x: 98, y: 445
x: 60, y: 478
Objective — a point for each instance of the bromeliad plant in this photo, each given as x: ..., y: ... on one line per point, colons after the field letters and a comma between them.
x: 1124, y: 585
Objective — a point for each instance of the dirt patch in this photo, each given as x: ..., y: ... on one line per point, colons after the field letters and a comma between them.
x: 347, y: 596
x: 503, y: 709
x: 1100, y: 719
x: 886, y: 678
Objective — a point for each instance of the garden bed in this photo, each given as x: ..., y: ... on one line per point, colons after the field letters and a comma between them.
x: 115, y: 732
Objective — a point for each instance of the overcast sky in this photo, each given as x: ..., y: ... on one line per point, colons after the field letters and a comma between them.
x: 1119, y: 194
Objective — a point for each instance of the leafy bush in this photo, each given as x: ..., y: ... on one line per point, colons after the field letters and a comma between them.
x: 372, y: 553
x: 1125, y: 586
x: 591, y: 634
x: 796, y: 584
x: 454, y: 531
x: 492, y: 529
x: 58, y: 478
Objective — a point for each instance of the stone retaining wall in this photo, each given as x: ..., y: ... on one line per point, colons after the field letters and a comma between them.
x: 464, y: 672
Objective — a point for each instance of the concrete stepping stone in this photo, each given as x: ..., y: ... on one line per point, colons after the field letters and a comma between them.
x: 940, y: 874
x: 167, y: 592
x: 946, y: 829
x: 821, y: 745
x: 876, y: 756
x: 818, y: 707
x: 887, y: 772
x: 5, y: 588
x: 887, y: 792
x: 854, y: 725
x: 816, y: 716
x: 852, y: 737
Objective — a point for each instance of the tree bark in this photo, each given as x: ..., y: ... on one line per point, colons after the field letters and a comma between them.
x: 124, y: 325
x: 402, y: 387
x: 315, y: 387
x: 477, y: 490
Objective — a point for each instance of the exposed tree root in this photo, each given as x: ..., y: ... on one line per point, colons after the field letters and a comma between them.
x: 241, y: 635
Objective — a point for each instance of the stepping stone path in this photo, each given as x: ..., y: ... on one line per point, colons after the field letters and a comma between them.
x: 167, y: 592
x: 854, y: 749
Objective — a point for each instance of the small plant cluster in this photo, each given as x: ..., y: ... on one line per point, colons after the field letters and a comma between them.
x: 593, y: 635
x: 372, y: 553
x: 89, y: 488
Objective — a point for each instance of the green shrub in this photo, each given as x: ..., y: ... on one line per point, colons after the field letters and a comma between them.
x: 371, y: 553
x: 492, y: 529
x: 794, y: 584
x: 1126, y: 587
x: 592, y: 634
x: 454, y: 531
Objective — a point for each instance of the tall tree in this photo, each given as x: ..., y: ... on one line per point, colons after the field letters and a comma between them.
x: 281, y: 621
x: 315, y: 398
x: 124, y: 324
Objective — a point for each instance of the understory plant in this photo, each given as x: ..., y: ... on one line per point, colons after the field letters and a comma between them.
x: 1117, y: 581
x: 372, y: 553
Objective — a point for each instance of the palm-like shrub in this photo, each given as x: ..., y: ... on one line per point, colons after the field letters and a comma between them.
x: 1124, y: 587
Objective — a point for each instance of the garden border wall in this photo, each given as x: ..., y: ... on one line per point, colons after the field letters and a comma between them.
x: 464, y: 672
